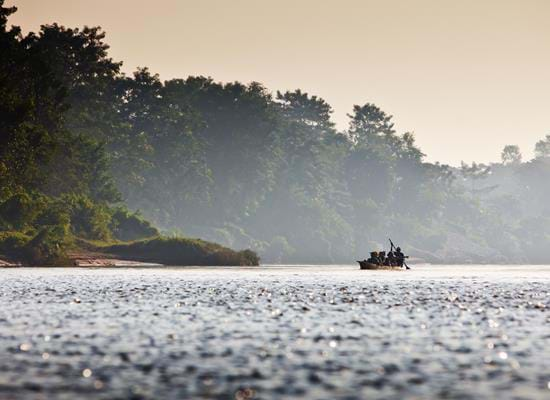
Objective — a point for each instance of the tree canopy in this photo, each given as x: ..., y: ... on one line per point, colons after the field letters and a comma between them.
x: 237, y: 164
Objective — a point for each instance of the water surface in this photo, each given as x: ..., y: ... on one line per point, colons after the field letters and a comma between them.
x: 275, y: 332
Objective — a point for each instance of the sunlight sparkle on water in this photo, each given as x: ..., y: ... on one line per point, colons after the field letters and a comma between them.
x: 220, y: 342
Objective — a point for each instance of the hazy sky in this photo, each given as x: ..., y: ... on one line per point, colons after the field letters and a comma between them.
x: 468, y: 76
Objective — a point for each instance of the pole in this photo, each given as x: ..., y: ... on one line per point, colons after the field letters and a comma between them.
x: 392, y: 246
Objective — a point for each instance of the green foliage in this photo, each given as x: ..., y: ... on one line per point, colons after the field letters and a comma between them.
x: 246, y: 258
x: 232, y: 163
x: 13, y: 243
x: 511, y: 154
x: 87, y: 219
x: 56, y: 212
x: 48, y: 246
x: 128, y: 226
x: 370, y: 125
x: 542, y: 148
x: 18, y: 212
x: 183, y: 251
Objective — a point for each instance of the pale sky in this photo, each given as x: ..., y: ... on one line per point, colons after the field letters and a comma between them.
x: 468, y: 76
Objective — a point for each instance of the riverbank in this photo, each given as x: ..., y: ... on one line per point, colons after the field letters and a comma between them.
x: 152, y: 252
x: 8, y: 264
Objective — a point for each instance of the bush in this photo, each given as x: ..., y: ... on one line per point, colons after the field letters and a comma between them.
x: 183, y: 251
x: 57, y: 213
x: 20, y: 211
x: 127, y: 226
x: 248, y: 258
x: 13, y: 243
x: 88, y: 220
x: 48, y: 246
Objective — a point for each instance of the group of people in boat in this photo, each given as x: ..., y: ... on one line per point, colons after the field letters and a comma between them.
x: 392, y: 259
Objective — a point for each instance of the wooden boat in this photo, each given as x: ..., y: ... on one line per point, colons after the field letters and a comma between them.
x: 367, y: 265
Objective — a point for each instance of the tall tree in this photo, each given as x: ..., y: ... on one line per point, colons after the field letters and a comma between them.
x: 37, y: 151
x: 542, y: 148
x: 511, y: 154
x: 173, y: 176
x: 239, y: 129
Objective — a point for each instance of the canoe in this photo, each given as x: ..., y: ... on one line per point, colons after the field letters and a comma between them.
x: 366, y: 265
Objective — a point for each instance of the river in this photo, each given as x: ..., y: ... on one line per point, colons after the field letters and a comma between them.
x: 275, y: 332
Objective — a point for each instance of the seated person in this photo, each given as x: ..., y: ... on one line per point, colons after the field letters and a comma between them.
x: 373, y: 259
x: 391, y: 260
x: 381, y: 258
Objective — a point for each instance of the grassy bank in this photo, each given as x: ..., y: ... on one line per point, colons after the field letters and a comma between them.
x: 181, y: 251
x: 41, y: 230
x: 49, y: 248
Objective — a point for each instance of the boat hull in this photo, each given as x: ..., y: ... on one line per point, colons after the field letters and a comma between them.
x: 366, y: 265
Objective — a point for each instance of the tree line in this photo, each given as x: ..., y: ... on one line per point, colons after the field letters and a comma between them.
x: 86, y: 147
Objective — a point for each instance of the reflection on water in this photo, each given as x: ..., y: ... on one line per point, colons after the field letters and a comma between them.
x: 275, y: 332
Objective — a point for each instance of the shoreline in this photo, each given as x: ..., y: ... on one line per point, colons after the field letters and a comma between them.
x: 111, y: 261
x: 151, y: 252
x: 9, y: 264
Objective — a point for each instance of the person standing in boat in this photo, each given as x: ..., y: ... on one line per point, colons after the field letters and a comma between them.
x: 400, y: 257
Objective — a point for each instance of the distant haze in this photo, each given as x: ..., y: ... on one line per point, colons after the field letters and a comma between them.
x: 468, y: 77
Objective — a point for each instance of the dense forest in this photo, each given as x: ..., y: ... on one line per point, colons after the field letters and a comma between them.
x: 89, y: 151
x: 74, y: 144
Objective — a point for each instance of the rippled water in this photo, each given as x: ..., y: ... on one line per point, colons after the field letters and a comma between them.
x: 276, y: 332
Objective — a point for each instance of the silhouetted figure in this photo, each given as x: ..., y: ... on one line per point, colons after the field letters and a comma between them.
x: 373, y: 259
x: 381, y: 258
x: 400, y: 257
x: 391, y: 259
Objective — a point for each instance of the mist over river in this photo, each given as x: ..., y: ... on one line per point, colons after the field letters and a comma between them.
x: 319, y: 332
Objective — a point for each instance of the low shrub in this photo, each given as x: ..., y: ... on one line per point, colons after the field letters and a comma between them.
x: 48, y: 246
x: 57, y: 213
x: 248, y: 258
x: 20, y: 211
x: 88, y: 219
x: 183, y: 251
x: 127, y: 226
x: 13, y: 243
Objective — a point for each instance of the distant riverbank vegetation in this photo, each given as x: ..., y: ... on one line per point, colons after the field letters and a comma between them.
x: 89, y: 153
x: 182, y: 251
x: 65, y: 149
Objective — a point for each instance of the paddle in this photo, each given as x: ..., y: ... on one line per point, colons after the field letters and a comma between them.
x: 392, y: 246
